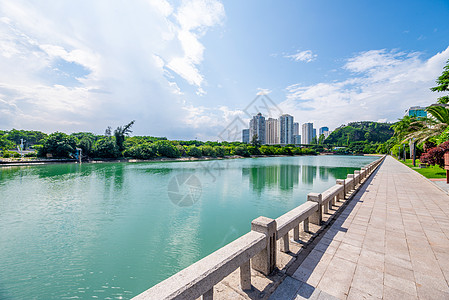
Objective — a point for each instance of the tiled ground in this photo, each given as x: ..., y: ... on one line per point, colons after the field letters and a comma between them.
x: 391, y: 242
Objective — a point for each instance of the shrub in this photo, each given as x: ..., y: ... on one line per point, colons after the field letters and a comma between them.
x: 167, y: 149
x: 141, y: 151
x: 253, y: 150
x: 242, y: 151
x: 435, y: 155
x: 182, y: 150
x: 59, y: 145
x: 267, y: 150
x: 208, y: 151
x: 194, y: 151
x: 106, y: 148
x: 220, y: 151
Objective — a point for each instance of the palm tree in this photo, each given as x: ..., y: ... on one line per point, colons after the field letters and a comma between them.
x: 120, y: 133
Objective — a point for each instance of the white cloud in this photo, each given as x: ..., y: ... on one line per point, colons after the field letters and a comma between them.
x: 382, y: 86
x: 65, y: 69
x: 262, y: 91
x: 303, y: 56
x: 194, y: 18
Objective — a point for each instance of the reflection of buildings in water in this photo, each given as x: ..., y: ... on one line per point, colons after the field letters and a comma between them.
x: 289, y: 175
x: 324, y: 173
x: 283, y: 176
x: 308, y: 174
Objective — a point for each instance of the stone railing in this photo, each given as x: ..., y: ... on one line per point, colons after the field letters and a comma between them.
x: 256, y: 249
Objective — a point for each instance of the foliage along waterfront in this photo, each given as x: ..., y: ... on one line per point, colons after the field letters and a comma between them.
x: 119, y: 145
x: 431, y: 133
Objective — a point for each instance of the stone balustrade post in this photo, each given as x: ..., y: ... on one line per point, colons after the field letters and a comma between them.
x: 285, y: 244
x: 317, y: 217
x: 357, y: 177
x: 306, y: 225
x: 245, y: 276
x: 265, y: 261
x: 342, y: 182
x: 363, y: 172
x: 296, y: 233
x: 352, y: 185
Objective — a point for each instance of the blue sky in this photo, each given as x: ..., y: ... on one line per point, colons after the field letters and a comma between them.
x: 187, y: 69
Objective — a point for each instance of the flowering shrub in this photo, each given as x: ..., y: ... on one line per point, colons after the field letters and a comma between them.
x: 435, y: 155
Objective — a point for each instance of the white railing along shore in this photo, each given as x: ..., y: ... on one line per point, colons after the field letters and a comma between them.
x: 256, y: 249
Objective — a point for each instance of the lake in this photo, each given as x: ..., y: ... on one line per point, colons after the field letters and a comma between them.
x: 113, y: 230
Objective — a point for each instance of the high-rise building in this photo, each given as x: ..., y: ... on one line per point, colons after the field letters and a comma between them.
x: 272, y: 131
x: 245, y: 136
x: 324, y: 131
x: 295, y: 128
x: 307, y: 133
x: 257, y: 128
x: 314, y: 133
x: 286, y: 129
x: 297, y: 139
x: 417, y: 111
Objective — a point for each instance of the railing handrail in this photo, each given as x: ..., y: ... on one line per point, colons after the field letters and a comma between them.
x: 291, y: 219
x: 196, y: 279
x: 332, y: 192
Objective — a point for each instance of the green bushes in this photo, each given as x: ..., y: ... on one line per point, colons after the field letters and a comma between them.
x: 242, y: 151
x: 59, y: 145
x: 142, y: 151
x: 208, y: 151
x: 194, y: 151
x: 167, y: 149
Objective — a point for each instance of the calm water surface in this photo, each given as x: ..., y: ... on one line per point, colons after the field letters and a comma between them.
x: 110, y: 231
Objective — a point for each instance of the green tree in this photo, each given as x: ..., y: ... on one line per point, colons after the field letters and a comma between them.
x: 5, y: 144
x: 59, y: 145
x: 255, y: 141
x: 120, y: 134
x: 443, y: 84
x: 86, y: 141
x: 167, y: 149
x: 194, y: 151
x: 241, y: 150
x: 106, y: 147
x: 145, y: 150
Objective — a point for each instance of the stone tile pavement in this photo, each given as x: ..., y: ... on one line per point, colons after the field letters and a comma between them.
x: 391, y: 242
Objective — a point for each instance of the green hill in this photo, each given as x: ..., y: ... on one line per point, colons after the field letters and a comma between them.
x: 358, y: 135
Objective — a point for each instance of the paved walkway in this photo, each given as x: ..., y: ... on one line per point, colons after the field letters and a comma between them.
x: 391, y: 242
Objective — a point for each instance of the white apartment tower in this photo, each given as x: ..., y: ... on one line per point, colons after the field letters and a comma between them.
x: 257, y: 127
x: 295, y: 128
x: 272, y: 131
x: 286, y: 129
x: 307, y: 133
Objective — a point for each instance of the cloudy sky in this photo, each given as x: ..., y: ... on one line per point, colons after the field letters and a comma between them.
x: 188, y: 69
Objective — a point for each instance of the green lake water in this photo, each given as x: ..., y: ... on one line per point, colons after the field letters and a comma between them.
x: 112, y: 230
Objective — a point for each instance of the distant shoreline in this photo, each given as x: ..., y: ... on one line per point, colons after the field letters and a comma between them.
x: 33, y: 162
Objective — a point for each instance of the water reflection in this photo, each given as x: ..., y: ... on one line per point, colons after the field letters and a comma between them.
x: 287, y: 176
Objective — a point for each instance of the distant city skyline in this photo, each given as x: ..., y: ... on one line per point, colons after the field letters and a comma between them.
x: 187, y: 69
x: 281, y: 131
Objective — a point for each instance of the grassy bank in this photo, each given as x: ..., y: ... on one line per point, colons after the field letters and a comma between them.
x: 429, y: 172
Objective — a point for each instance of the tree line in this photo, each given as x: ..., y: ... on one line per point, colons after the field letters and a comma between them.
x: 118, y: 143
